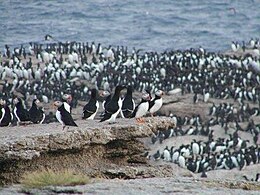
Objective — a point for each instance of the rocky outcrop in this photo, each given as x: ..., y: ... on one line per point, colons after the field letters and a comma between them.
x: 98, y: 149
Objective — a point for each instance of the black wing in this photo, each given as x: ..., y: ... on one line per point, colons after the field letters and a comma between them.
x: 89, y: 108
x: 24, y: 115
x: 112, y: 107
x: 106, y: 116
x: 67, y: 118
x: 151, y: 103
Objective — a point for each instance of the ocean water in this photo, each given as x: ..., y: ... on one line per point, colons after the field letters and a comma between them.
x: 143, y: 24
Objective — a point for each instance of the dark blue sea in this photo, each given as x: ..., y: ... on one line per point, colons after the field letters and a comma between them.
x: 144, y: 24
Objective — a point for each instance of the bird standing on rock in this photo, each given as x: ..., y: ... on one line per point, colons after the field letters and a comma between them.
x: 142, y: 108
x: 20, y: 112
x: 66, y: 99
x: 7, y: 116
x: 114, y: 106
x: 91, y: 108
x: 36, y: 113
x: 2, y: 112
x: 156, y: 103
x: 63, y: 116
x: 203, y: 174
x: 107, y: 96
x: 157, y: 155
x: 128, y: 104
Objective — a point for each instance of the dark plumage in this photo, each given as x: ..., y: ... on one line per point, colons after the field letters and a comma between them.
x: 128, y: 104
x: 20, y: 112
x: 63, y: 116
x: 157, y: 155
x: 67, y: 100
x: 203, y: 174
x: 114, y: 106
x: 195, y: 98
x: 257, y: 178
x: 91, y: 108
x: 2, y: 112
x: 156, y: 103
x: 154, y: 138
x: 50, y: 118
x: 161, y: 137
x: 48, y: 37
x: 142, y: 108
x: 36, y: 113
x: 107, y: 96
x: 5, y: 114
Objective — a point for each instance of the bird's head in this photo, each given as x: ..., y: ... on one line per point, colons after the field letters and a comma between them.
x: 159, y: 93
x: 2, y: 102
x: 146, y: 96
x: 104, y: 93
x: 37, y: 102
x: 16, y: 100
x: 57, y: 104
x: 67, y: 98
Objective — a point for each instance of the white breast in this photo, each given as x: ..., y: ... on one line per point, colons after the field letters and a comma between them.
x: 142, y: 110
x: 157, y: 105
x: 58, y: 116
x: 15, y: 113
x: 3, y: 114
x: 67, y: 107
x: 94, y: 114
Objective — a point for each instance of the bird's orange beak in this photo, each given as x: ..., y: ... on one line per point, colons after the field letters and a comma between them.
x: 54, y: 106
x: 101, y: 94
x: 69, y: 98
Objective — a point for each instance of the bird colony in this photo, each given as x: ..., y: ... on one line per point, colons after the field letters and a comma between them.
x: 65, y: 73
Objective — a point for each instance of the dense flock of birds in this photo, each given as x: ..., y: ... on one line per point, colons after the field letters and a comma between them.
x: 217, y: 152
x: 113, y: 104
x: 63, y: 67
x: 60, y: 71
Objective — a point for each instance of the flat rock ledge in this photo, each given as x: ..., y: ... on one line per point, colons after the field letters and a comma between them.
x: 97, y: 149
